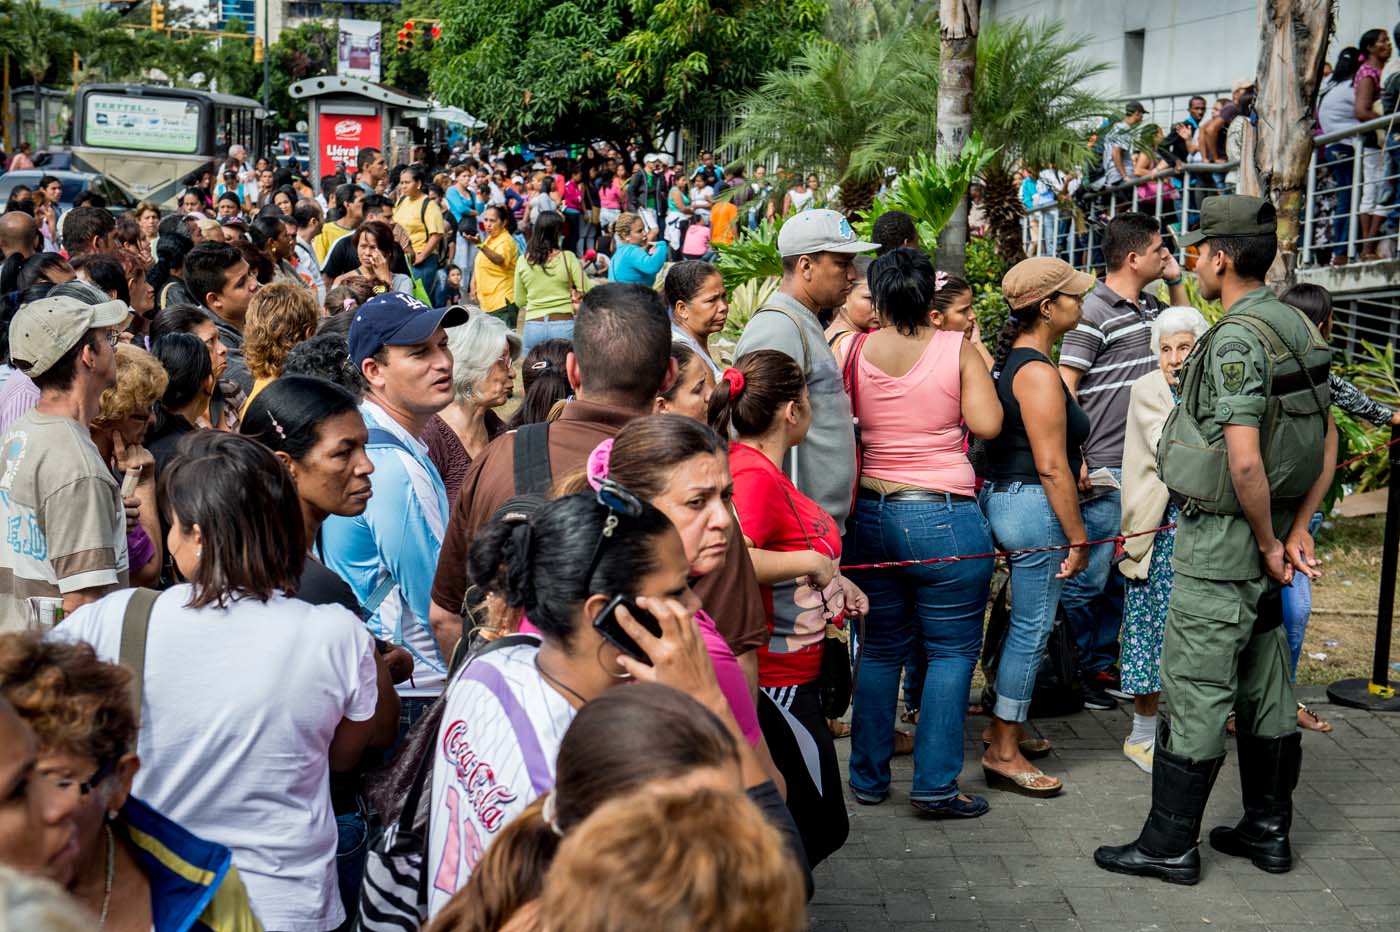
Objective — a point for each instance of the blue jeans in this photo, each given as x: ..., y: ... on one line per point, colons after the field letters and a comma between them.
x: 427, y: 274
x: 537, y: 331
x: 936, y: 609
x: 1021, y: 517
x: 1297, y: 606
x: 1093, y: 600
x: 1339, y: 156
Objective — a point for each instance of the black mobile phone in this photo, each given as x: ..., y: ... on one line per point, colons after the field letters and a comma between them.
x: 607, y: 625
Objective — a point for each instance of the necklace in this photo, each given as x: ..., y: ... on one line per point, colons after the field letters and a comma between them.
x: 111, y: 871
x: 545, y: 673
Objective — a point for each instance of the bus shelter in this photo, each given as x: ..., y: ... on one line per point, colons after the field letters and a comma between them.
x: 347, y: 114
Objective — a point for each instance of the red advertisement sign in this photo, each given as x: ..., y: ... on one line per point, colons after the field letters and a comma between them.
x: 342, y: 135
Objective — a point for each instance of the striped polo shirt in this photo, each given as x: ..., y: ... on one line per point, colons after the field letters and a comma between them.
x: 1112, y: 347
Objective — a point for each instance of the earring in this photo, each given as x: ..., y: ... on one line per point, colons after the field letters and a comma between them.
x: 198, y: 553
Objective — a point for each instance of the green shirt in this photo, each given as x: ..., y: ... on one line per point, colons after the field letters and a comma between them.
x: 541, y: 290
x: 1233, y: 392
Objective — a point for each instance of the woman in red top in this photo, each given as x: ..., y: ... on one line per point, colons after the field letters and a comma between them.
x: 796, y: 550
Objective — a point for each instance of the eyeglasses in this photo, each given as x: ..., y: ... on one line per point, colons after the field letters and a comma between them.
x: 616, y: 500
x: 113, y: 338
x: 67, y: 784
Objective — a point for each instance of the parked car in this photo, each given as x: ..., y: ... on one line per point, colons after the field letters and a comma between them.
x: 292, y: 146
x: 74, y: 183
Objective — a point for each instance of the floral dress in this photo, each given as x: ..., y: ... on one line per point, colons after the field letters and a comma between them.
x: 1145, y: 616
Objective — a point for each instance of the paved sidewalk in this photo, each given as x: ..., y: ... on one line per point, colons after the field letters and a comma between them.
x: 1028, y: 864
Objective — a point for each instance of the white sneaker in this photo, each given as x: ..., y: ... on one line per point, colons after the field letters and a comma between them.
x: 1140, y: 753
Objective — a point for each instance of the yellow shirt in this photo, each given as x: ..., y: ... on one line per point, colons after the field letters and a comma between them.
x: 258, y: 386
x: 324, y: 240
x: 495, y: 284
x: 420, y: 219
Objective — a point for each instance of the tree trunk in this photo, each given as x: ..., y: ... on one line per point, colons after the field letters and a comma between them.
x: 1292, y: 46
x: 957, y: 64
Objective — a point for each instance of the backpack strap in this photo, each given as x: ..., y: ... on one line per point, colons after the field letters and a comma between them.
x: 801, y: 333
x: 136, y: 622
x: 533, y: 472
x: 379, y: 437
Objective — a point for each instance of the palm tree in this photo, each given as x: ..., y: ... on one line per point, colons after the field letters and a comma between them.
x: 958, y: 22
x: 111, y: 52
x: 844, y: 112
x: 38, y: 37
x: 1032, y: 103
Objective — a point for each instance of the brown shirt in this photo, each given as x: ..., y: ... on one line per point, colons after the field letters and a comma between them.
x: 449, y: 456
x: 730, y: 594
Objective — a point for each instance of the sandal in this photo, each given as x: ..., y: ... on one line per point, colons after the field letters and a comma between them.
x: 1230, y: 724
x: 838, y: 728
x: 1023, y: 783
x: 1031, y: 748
x: 903, y: 742
x: 910, y: 717
x: 1311, y: 721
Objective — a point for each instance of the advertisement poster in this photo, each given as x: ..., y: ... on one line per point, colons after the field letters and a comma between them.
x: 340, y: 137
x: 118, y: 121
x: 357, y: 53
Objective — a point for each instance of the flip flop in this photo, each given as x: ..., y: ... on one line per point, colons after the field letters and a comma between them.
x: 1310, y: 720
x: 838, y: 728
x: 1031, y: 748
x: 1021, y: 782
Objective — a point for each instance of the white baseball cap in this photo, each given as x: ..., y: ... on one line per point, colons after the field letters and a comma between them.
x: 819, y: 230
x: 42, y: 331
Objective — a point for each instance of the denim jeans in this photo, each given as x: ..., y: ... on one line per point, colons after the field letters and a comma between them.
x: 537, y: 331
x: 1297, y: 606
x: 936, y: 609
x: 427, y: 274
x: 1021, y: 517
x: 1093, y: 600
x: 1339, y: 156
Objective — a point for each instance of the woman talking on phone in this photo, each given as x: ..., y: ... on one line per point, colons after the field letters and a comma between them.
x: 572, y: 566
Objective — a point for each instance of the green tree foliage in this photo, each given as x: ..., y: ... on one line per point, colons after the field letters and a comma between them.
x: 539, y: 70
x: 831, y: 108
x: 408, y: 70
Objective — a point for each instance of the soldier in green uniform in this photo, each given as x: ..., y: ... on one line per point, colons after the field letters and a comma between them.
x: 1249, y: 452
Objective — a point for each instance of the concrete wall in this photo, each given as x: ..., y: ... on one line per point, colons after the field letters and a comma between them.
x: 1188, y: 45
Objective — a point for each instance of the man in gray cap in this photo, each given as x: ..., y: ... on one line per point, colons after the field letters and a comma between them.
x: 66, y: 544
x: 1250, y: 452
x: 818, y: 248
x: 1118, y: 145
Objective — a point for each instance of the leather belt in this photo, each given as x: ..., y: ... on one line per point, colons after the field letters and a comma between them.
x: 549, y: 318
x: 912, y: 495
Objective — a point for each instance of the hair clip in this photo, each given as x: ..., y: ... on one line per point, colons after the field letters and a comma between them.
x: 540, y: 366
x: 940, y: 279
x: 548, y: 813
x: 277, y: 427
x: 599, y: 462
x: 348, y: 304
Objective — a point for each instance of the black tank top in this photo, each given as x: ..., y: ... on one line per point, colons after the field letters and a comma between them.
x: 1009, y: 456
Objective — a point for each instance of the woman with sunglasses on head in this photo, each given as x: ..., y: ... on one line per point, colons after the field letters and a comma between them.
x: 134, y: 869
x: 248, y: 712
x: 796, y: 550
x: 641, y: 739
x: 567, y: 566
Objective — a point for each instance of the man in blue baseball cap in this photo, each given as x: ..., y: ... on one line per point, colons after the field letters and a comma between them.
x: 389, y: 554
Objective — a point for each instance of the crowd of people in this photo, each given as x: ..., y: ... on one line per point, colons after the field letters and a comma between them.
x: 301, y: 630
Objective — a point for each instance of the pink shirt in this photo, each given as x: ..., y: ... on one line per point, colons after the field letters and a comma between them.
x: 727, y: 671
x: 697, y: 240
x: 911, y: 426
x: 610, y: 196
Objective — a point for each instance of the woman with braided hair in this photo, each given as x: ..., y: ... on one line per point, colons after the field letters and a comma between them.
x: 1031, y: 499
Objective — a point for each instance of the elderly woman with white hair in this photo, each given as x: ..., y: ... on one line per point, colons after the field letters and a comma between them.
x: 484, y: 354
x: 1147, y: 505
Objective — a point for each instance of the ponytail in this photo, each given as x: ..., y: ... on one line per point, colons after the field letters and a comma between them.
x: 1020, y: 320
x: 748, y: 396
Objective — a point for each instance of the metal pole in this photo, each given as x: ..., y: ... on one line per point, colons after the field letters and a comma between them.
x: 1353, y: 221
x: 267, y: 54
x: 1376, y: 693
x: 1185, y: 213
x: 1308, y: 208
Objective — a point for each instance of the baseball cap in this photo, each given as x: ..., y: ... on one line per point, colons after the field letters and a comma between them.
x: 397, y: 319
x: 1240, y: 85
x: 1135, y: 106
x: 819, y: 230
x: 1233, y: 215
x: 1031, y: 281
x: 42, y: 331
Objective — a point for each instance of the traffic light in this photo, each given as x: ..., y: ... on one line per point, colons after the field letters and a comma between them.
x: 407, y: 36
x: 258, y: 51
x: 401, y: 42
x: 158, y: 16
x: 434, y: 33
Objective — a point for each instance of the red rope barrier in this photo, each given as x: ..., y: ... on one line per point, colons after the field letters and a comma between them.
x: 1117, y: 540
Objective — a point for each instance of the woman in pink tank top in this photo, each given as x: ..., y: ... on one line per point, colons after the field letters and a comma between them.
x: 915, y: 385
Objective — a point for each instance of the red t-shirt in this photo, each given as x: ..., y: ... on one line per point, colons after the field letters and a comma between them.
x: 769, y: 508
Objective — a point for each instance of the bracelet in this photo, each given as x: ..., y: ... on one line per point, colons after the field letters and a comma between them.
x: 1172, y: 283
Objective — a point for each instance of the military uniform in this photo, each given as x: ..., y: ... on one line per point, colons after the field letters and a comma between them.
x: 1263, y: 366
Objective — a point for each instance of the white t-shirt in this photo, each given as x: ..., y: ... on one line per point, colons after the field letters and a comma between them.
x: 496, y: 750
x: 237, y: 715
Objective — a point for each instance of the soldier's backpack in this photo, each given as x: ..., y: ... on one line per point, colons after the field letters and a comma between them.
x: 1291, y: 434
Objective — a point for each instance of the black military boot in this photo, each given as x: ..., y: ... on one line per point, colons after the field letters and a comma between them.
x: 1166, y: 847
x: 1268, y: 775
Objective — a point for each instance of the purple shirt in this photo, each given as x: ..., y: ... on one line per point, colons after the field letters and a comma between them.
x: 17, y: 396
